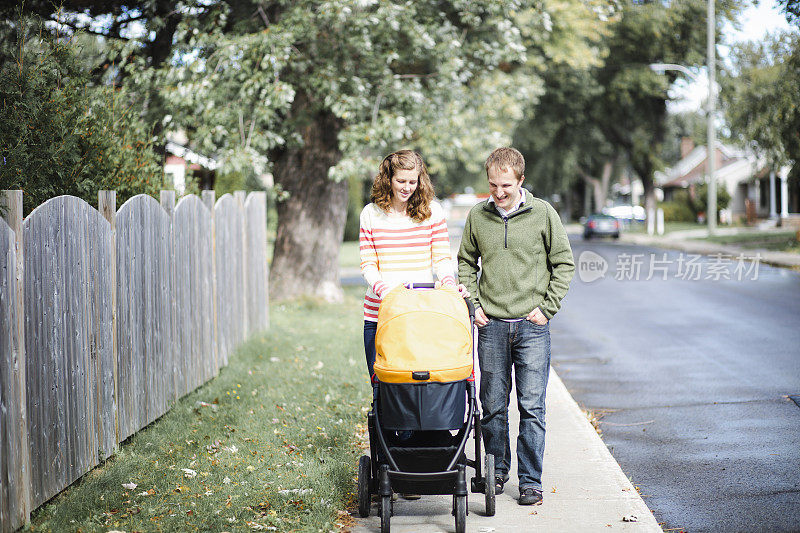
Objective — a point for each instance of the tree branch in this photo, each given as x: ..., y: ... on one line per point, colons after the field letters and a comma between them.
x: 250, y: 135
x: 411, y: 76
x: 586, y: 177
x: 263, y: 16
x: 86, y: 29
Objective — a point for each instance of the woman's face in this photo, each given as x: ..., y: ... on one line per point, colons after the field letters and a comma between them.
x: 404, y: 183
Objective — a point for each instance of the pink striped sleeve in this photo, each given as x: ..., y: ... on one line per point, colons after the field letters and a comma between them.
x: 368, y: 251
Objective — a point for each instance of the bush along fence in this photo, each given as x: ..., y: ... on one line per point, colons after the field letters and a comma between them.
x: 108, y: 317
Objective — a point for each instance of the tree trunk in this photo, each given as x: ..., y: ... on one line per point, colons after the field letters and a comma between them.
x: 645, y: 172
x: 311, y: 220
x: 600, y: 186
x: 566, y: 209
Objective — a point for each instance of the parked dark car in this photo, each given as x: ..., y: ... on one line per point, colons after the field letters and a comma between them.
x: 599, y: 225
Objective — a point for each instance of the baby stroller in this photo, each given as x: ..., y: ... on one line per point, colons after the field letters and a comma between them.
x: 422, y: 388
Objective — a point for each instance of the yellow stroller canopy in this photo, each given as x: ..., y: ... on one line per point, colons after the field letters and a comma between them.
x: 423, y: 336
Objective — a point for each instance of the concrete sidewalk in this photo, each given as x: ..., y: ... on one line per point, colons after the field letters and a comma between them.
x: 584, y: 487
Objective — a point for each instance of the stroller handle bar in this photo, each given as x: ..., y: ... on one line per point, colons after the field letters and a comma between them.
x: 470, y: 306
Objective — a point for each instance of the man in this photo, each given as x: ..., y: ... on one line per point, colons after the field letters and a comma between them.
x: 526, y: 267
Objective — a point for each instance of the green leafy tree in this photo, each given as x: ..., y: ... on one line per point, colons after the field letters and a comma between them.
x: 562, y: 138
x: 322, y: 88
x: 318, y: 91
x: 60, y: 136
x: 594, y: 119
x: 698, y: 200
x: 790, y: 8
x: 760, y: 97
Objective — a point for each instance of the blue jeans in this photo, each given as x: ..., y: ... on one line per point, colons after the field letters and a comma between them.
x: 370, y: 328
x: 526, y: 346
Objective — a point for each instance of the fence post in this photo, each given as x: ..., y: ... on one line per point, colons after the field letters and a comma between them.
x: 241, y: 197
x: 11, y: 208
x: 107, y: 205
x: 209, y: 199
x: 168, y: 204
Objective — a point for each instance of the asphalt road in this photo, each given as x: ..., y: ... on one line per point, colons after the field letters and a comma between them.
x: 692, y: 378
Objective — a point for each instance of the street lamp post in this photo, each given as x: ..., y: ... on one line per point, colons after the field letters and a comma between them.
x: 711, y: 149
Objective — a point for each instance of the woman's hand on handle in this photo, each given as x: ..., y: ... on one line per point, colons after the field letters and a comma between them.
x: 462, y: 290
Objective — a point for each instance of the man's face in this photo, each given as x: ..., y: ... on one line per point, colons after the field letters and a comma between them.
x: 505, y: 187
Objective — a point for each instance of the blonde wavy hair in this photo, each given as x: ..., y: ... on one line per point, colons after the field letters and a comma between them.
x: 419, y: 204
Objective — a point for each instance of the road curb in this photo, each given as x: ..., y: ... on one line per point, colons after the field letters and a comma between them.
x: 777, y: 259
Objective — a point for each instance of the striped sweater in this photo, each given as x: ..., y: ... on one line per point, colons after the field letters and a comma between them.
x: 397, y: 250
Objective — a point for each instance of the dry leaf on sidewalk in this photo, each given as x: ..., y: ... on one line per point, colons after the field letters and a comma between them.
x: 630, y: 518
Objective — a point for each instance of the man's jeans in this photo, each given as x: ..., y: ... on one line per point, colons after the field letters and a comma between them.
x: 527, y: 346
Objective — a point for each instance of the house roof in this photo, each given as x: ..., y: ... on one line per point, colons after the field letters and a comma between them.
x: 736, y: 165
x: 191, y: 156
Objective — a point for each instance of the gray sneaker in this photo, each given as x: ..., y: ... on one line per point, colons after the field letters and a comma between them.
x: 530, y: 496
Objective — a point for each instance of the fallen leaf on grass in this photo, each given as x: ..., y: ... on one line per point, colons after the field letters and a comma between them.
x: 189, y: 473
x: 295, y: 491
x: 147, y: 492
x: 129, y: 486
x: 226, y: 481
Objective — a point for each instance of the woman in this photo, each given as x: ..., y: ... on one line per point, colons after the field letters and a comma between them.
x: 403, y: 237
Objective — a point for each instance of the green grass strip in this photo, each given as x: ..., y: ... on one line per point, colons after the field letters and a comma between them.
x: 350, y: 255
x: 269, y: 445
x: 779, y: 241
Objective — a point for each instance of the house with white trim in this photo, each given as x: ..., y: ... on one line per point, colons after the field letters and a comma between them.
x: 180, y: 160
x: 751, y: 183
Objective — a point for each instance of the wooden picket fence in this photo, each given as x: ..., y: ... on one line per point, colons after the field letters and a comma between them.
x: 107, y: 317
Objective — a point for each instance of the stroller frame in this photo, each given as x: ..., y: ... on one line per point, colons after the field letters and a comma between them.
x: 380, y: 474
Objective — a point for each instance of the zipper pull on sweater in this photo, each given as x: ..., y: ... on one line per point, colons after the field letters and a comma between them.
x: 505, y: 235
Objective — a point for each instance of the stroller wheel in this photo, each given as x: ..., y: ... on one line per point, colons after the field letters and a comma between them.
x: 386, y: 513
x: 489, y: 486
x: 364, y: 473
x: 461, y: 513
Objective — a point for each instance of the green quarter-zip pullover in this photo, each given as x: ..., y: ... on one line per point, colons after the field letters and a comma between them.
x: 526, y: 260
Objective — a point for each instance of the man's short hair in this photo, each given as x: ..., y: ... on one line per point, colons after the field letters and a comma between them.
x: 504, y: 159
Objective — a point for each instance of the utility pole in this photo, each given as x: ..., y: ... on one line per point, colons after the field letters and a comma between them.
x: 712, y: 132
x: 711, y: 148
